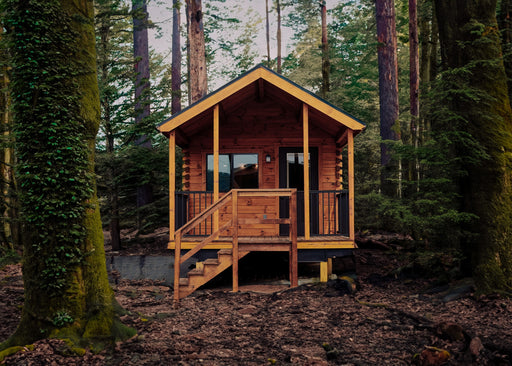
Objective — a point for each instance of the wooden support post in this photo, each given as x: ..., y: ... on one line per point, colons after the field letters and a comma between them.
x: 216, y: 164
x: 172, y: 183
x: 235, y: 252
x: 324, y: 276
x: 329, y: 266
x: 305, y: 132
x: 294, y: 273
x: 350, y: 154
x: 177, y: 264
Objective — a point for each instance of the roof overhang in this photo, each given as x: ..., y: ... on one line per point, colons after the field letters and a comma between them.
x: 258, y: 83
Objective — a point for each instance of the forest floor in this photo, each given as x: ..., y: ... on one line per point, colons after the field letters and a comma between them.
x: 389, y: 319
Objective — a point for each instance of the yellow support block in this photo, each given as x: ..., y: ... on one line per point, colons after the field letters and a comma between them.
x: 324, y: 272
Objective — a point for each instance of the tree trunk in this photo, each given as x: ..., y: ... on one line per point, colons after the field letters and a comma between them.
x: 279, y: 41
x: 56, y: 117
x: 176, y: 58
x: 267, y: 28
x: 471, y: 57
x: 198, y: 81
x: 388, y: 89
x: 414, y: 82
x: 505, y: 25
x: 325, y: 52
x: 142, y: 91
x: 425, y: 35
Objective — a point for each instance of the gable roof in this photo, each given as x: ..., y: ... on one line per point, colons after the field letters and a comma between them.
x: 254, y: 77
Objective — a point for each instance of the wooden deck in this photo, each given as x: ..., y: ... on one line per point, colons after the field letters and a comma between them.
x: 274, y: 243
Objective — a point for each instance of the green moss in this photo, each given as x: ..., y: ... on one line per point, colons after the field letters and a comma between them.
x: 10, y: 351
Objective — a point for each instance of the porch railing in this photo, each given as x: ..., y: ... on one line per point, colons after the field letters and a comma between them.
x: 329, y: 215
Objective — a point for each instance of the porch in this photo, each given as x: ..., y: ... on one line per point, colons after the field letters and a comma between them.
x: 327, y: 220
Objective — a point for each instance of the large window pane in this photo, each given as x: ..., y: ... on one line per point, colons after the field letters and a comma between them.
x: 235, y: 171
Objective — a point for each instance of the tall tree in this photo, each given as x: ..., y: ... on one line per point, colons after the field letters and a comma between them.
x: 142, y: 87
x: 475, y: 94
x: 267, y: 31
x: 428, y: 39
x: 176, y: 58
x: 325, y: 51
x: 198, y: 81
x: 388, y: 89
x: 279, y: 40
x: 414, y: 79
x: 56, y: 118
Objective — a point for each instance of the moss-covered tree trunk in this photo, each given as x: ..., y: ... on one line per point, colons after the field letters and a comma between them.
x: 478, y: 102
x: 56, y: 118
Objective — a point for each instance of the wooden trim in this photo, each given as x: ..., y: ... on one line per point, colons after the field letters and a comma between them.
x: 351, y: 184
x: 216, y: 164
x: 301, y: 245
x: 172, y: 183
x: 305, y: 132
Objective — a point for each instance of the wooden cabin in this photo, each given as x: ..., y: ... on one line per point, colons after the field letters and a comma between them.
x: 244, y: 184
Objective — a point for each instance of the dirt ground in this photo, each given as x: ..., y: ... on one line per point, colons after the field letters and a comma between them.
x: 388, y: 320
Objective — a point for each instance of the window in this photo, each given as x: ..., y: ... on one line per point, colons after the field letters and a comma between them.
x: 235, y: 171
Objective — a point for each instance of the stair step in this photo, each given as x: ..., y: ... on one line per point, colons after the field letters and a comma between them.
x: 196, y: 272
x: 225, y: 252
x: 212, y: 261
x: 183, y: 281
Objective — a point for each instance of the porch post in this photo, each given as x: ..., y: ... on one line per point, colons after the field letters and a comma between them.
x: 350, y: 143
x: 305, y: 132
x: 172, y: 183
x: 215, y: 164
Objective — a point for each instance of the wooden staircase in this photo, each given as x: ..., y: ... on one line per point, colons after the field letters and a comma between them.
x: 226, y: 258
x: 207, y: 270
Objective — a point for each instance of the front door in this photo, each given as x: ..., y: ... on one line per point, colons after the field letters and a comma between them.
x: 291, y: 175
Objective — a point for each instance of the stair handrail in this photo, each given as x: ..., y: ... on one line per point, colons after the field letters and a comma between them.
x: 178, y: 259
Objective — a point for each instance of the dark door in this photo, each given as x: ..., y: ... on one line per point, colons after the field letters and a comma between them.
x: 291, y: 175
